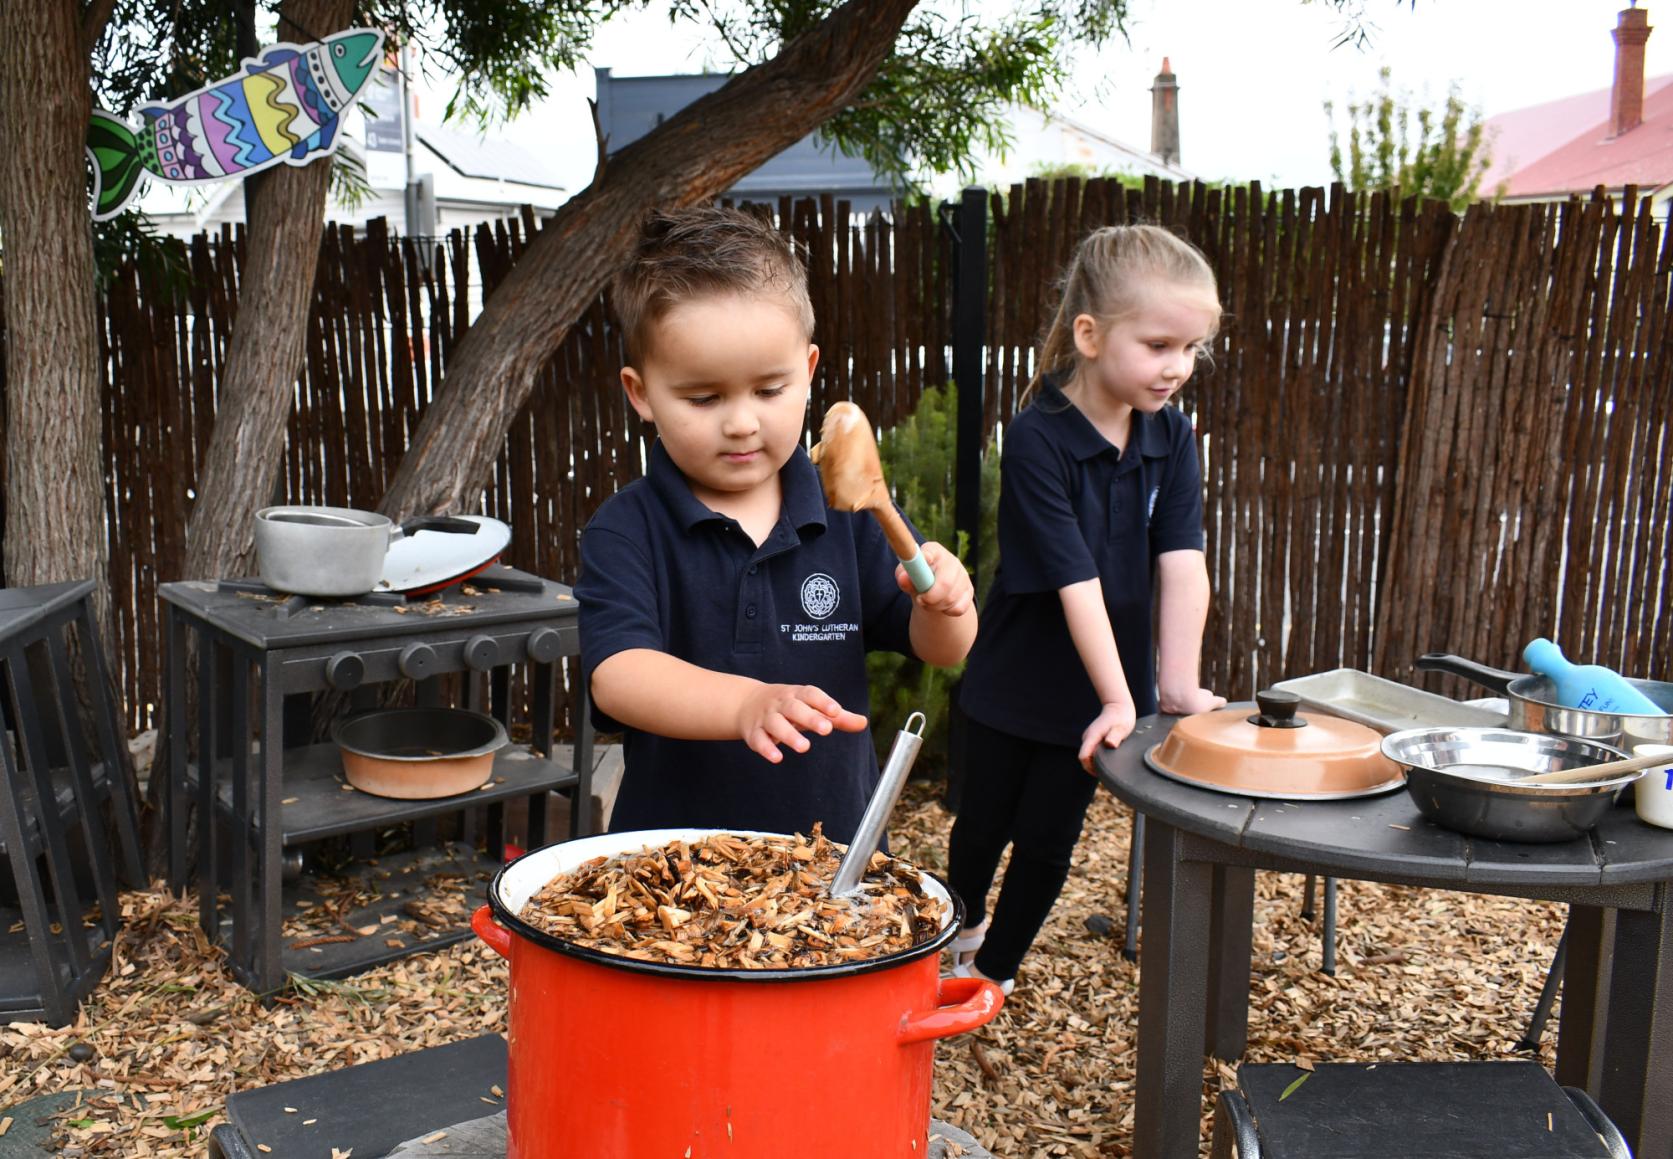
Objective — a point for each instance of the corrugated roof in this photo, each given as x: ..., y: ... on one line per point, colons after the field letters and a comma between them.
x: 475, y: 155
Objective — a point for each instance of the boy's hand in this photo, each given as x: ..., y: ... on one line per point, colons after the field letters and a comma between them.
x: 1185, y: 701
x: 778, y: 714
x: 951, y: 594
x: 1112, y: 727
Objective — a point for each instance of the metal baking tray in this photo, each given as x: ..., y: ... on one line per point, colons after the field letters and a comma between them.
x: 1385, y: 705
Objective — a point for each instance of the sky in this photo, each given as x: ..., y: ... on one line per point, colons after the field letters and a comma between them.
x: 1253, y: 74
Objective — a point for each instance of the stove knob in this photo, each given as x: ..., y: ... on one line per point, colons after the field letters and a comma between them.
x: 417, y: 661
x: 481, y: 652
x: 345, y: 670
x: 545, y: 645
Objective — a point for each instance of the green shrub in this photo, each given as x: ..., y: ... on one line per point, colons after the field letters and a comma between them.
x: 919, y: 461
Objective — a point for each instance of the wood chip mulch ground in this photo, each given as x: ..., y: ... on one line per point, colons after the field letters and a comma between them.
x: 1421, y: 975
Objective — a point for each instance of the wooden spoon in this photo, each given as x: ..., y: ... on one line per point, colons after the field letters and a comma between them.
x: 1588, y: 773
x: 852, y: 476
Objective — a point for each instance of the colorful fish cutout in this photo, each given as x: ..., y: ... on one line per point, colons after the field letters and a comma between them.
x: 284, y: 107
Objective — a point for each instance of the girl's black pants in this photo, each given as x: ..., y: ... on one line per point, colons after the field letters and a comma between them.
x: 1032, y: 797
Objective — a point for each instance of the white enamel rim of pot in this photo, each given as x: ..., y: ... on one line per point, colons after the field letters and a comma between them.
x: 516, y: 883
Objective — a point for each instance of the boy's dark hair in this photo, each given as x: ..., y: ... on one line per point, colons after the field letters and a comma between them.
x: 699, y: 252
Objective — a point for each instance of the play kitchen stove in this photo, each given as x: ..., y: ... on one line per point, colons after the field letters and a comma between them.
x: 261, y: 652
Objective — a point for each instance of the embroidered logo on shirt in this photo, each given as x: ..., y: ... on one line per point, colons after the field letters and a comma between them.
x: 820, y: 595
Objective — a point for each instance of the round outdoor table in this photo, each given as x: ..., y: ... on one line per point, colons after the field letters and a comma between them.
x: 1201, y: 850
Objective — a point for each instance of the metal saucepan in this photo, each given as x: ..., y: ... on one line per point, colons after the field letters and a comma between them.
x: 1443, y: 777
x: 1534, y: 707
x: 333, y: 551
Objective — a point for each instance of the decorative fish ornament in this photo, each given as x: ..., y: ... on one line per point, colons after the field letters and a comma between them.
x: 284, y: 107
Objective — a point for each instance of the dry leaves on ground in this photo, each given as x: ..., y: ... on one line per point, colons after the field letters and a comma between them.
x: 1421, y: 975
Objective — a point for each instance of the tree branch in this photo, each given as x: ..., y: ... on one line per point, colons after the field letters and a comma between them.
x: 93, y: 22
x: 694, y: 156
x: 603, y: 146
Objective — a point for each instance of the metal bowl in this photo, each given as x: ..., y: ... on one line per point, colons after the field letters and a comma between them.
x: 1500, y: 807
x: 419, y: 753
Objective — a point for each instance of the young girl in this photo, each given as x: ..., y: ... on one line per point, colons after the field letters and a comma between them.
x: 1100, y: 515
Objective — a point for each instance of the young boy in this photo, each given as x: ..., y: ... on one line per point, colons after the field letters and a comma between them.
x: 725, y: 610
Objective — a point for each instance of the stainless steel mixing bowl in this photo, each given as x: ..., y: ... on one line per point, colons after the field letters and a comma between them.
x: 1497, y: 805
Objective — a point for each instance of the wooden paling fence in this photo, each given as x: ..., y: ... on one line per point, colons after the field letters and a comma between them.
x: 1419, y: 432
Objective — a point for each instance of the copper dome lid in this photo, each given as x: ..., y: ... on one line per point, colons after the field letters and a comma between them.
x: 1276, y: 752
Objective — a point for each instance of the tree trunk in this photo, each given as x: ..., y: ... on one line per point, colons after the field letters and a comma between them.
x: 54, y: 478
x: 54, y: 399
x: 692, y: 157
x: 286, y: 211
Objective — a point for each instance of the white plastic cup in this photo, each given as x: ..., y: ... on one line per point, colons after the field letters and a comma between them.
x: 1654, y: 790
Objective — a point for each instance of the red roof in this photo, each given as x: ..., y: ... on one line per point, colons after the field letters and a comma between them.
x: 1564, y: 146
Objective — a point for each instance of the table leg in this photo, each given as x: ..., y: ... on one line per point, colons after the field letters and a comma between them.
x: 246, y: 817
x: 1135, y: 888
x: 1173, y: 980
x: 209, y: 748
x: 580, y: 816
x: 177, y: 802
x: 1639, y: 1055
x: 270, y: 965
x: 542, y: 707
x: 1230, y: 959
x: 1585, y: 977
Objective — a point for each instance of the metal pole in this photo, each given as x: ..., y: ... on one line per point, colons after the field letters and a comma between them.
x: 410, y: 194
x: 970, y: 276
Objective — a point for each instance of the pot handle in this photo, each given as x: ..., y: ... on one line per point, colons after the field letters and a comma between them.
x: 964, y: 1004
x: 439, y: 523
x: 1488, y: 677
x: 490, y: 931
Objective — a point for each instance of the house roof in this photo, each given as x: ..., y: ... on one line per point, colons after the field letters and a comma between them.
x: 1564, y: 146
x: 473, y: 155
x: 1137, y: 159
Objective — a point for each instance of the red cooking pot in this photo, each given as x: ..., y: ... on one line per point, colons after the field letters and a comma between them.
x: 614, y: 1058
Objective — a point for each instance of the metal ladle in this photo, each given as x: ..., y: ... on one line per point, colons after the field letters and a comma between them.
x: 882, y: 803
x: 1583, y: 775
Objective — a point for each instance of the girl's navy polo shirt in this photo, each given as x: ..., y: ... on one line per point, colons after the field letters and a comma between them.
x: 660, y: 570
x: 1072, y: 508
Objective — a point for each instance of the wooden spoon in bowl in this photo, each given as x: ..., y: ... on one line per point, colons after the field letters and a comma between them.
x: 852, y: 475
x: 1580, y: 776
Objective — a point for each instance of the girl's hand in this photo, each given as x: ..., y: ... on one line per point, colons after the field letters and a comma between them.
x: 951, y: 594
x: 1185, y: 701
x: 778, y: 714
x: 1113, y: 726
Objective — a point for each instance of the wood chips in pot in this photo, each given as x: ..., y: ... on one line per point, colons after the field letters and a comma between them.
x: 735, y: 902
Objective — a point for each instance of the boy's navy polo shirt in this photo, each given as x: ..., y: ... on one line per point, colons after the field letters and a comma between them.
x: 1073, y: 508
x: 660, y: 570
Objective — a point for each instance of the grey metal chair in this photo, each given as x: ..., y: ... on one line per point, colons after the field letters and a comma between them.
x: 1417, y: 1110
x: 68, y: 829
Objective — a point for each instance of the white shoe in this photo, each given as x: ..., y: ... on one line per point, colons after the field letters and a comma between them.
x: 969, y: 940
x: 968, y: 970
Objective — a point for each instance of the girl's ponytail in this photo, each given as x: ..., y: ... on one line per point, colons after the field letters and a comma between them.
x: 1113, y: 268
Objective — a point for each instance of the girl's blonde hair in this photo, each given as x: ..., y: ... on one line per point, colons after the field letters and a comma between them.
x: 1113, y: 269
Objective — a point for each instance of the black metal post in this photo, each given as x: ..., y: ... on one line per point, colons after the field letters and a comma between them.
x: 970, y: 278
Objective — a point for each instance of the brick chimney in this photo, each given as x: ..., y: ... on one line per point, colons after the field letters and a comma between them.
x: 1626, y: 101
x: 1164, y: 113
